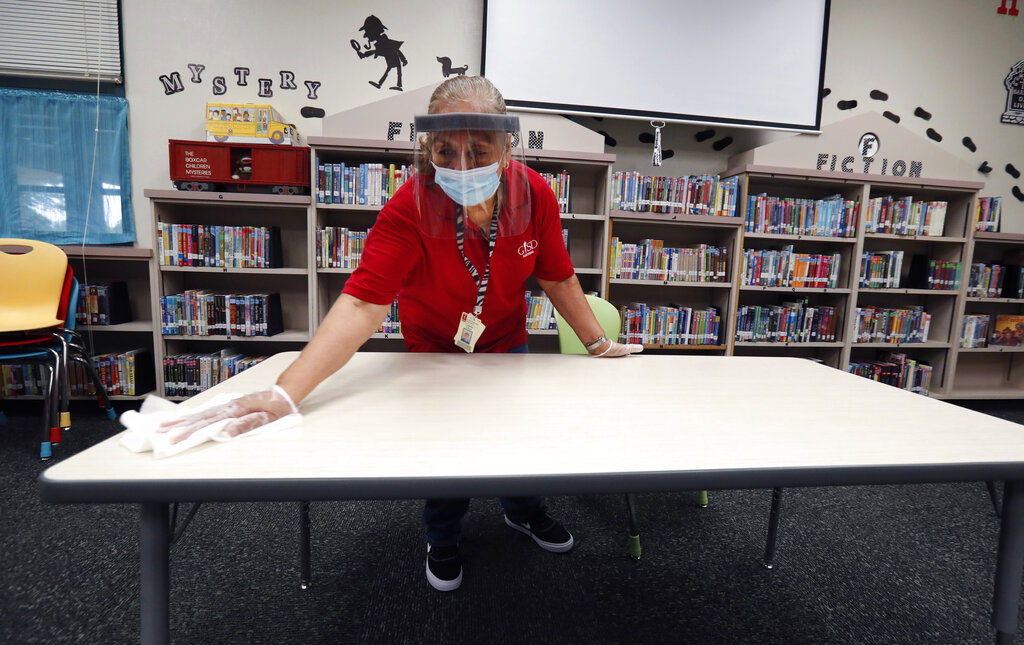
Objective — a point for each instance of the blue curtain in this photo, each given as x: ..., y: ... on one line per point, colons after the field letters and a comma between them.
x: 63, y: 179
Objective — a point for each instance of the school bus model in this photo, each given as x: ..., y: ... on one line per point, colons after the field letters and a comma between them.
x: 248, y: 123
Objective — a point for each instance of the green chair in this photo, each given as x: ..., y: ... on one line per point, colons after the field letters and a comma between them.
x: 568, y: 343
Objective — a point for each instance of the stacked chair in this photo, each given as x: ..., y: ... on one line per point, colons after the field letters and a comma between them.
x: 568, y: 343
x: 38, y: 295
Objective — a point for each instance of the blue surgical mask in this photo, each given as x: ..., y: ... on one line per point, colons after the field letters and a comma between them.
x: 468, y: 187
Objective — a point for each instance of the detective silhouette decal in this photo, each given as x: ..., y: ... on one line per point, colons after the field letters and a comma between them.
x: 379, y: 45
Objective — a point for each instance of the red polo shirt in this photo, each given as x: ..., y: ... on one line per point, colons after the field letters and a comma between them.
x: 419, y: 261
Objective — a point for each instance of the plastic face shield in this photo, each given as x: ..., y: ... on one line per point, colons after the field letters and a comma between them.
x: 465, y: 161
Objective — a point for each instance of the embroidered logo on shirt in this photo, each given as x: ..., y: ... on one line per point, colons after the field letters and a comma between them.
x: 528, y: 248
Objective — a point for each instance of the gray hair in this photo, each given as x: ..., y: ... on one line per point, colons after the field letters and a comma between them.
x: 476, y: 90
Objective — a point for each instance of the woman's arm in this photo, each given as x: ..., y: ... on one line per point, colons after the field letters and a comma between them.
x: 348, y: 325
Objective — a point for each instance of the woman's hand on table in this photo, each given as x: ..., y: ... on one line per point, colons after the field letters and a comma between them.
x: 245, y: 413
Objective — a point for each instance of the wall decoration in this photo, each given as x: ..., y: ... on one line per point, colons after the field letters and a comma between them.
x: 1014, y: 84
x: 379, y: 45
x: 933, y: 135
x: 984, y: 168
x: 895, y: 118
x: 311, y: 112
x: 969, y: 144
x: 846, y: 105
x: 1012, y: 171
x: 447, y: 69
x: 869, y: 144
x: 879, y: 95
x: 704, y: 135
x: 219, y: 85
x: 722, y: 144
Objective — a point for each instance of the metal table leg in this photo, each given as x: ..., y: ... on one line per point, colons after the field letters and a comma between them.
x: 155, y: 537
x: 1009, y: 563
x: 305, y: 567
x: 773, y: 528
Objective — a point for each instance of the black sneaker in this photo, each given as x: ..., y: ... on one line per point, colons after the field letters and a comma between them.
x: 444, y: 567
x: 545, y: 531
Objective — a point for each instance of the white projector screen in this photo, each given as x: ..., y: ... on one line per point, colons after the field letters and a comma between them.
x: 757, y: 63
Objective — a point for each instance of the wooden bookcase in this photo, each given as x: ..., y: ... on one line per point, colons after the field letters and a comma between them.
x: 996, y: 371
x: 292, y: 281
x: 130, y: 265
x: 944, y: 306
x: 681, y: 231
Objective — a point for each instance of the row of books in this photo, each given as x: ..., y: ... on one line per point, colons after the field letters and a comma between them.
x: 880, y: 269
x: 689, y: 195
x: 885, y: 325
x: 338, y: 247
x: 560, y: 185
x: 128, y: 373
x: 210, y: 245
x: 198, y: 312
x: 996, y: 281
x: 190, y: 374
x: 669, y: 325
x: 784, y: 268
x: 987, y: 213
x: 391, y: 323
x: 897, y: 370
x: 540, y: 314
x: 790, y: 322
x: 1008, y: 331
x: 904, y: 216
x: 974, y: 330
x: 102, y: 303
x: 831, y: 216
x: 944, y: 275
x: 651, y: 260
x: 366, y: 184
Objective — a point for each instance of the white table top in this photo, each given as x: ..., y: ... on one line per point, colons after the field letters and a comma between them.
x: 402, y: 425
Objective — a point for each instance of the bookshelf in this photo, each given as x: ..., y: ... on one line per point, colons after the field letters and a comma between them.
x: 907, y: 288
x: 131, y: 265
x: 992, y: 371
x: 287, y: 216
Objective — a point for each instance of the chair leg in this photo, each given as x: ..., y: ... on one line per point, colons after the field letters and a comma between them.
x: 51, y: 431
x: 101, y: 392
x: 703, y: 502
x: 305, y: 547
x: 773, y: 527
x: 634, y: 550
x: 991, y: 485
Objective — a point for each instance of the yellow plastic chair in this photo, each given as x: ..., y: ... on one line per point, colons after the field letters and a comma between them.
x: 39, y: 292
x: 568, y: 343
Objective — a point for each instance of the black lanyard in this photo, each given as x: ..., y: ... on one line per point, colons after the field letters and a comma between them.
x: 481, y: 284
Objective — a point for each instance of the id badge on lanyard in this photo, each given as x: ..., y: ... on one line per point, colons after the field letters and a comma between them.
x: 470, y: 326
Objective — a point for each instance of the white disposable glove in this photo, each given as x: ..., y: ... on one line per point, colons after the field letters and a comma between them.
x: 246, y: 413
x: 614, y: 350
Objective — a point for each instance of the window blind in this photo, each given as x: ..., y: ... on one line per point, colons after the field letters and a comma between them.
x: 61, y: 39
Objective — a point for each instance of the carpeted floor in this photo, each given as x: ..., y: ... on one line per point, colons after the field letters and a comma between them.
x: 894, y: 564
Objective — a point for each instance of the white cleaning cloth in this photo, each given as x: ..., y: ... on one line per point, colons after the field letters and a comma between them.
x: 142, y: 435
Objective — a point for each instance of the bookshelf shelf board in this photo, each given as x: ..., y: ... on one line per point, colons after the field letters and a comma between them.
x: 82, y: 397
x: 348, y: 207
x: 383, y: 336
x: 1012, y: 301
x: 583, y: 216
x: 915, y: 238
x: 781, y: 237
x: 287, y: 336
x: 106, y: 252
x: 746, y: 343
x: 597, y: 158
x: 697, y: 347
x: 335, y: 270
x: 199, y: 197
x: 589, y: 271
x: 253, y: 271
x: 671, y: 283
x: 999, y: 238
x: 360, y: 146
x: 796, y: 289
x: 928, y: 345
x: 676, y: 218
x: 133, y: 326
x: 987, y: 393
x: 913, y: 292
x: 997, y: 349
x: 541, y: 332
